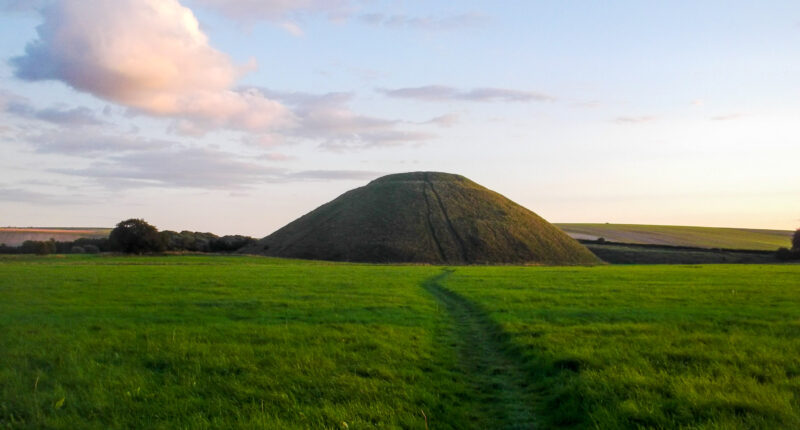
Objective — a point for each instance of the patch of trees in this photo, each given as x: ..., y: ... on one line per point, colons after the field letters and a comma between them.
x: 135, y: 236
x: 203, y: 242
x: 787, y: 254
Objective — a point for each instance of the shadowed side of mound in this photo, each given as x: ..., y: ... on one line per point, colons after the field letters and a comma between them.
x: 424, y: 217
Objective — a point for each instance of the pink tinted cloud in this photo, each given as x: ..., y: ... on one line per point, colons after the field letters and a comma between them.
x: 149, y: 55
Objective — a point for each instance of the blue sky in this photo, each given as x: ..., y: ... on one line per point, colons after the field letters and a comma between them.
x: 238, y: 116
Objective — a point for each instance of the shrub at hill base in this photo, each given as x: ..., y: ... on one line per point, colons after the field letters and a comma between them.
x: 786, y: 254
x: 38, y: 247
x: 135, y: 236
x: 196, y: 241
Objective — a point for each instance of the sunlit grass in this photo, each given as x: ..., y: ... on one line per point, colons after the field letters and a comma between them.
x: 242, y: 342
x: 204, y: 342
x: 650, y: 346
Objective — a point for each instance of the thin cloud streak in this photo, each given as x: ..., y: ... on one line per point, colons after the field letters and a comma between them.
x: 634, y: 119
x: 276, y: 10
x: 196, y: 168
x: 442, y: 93
x: 18, y: 195
x: 75, y: 116
x: 432, y: 23
x: 77, y: 143
x: 728, y: 117
x: 328, y: 119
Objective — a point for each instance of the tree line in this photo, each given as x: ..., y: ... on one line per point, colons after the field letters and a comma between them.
x: 135, y: 236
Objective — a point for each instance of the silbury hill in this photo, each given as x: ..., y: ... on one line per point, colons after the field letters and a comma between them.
x: 424, y: 217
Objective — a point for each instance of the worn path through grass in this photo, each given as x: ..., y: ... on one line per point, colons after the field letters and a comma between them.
x: 494, y: 371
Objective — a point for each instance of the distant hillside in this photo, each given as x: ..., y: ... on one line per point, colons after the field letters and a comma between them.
x: 424, y: 217
x: 13, y: 236
x: 700, y: 237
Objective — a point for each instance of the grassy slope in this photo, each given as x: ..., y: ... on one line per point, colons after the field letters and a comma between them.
x: 701, y: 237
x: 221, y: 342
x: 424, y: 217
x: 653, y: 346
x: 13, y: 236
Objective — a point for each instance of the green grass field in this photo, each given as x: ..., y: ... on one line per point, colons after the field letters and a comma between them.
x: 700, y: 237
x: 245, y: 342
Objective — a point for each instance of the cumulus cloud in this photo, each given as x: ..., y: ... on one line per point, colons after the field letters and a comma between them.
x: 149, y: 55
x: 442, y: 93
x: 195, y: 168
x: 424, y: 23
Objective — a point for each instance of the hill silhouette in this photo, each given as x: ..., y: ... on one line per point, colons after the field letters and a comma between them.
x: 426, y: 217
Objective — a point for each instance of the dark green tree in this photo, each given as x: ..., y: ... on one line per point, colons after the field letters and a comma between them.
x: 796, y: 241
x: 135, y: 236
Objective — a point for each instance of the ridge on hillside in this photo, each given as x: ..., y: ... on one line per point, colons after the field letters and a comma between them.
x: 424, y: 217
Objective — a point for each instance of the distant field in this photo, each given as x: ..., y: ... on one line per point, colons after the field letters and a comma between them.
x: 700, y: 237
x: 13, y: 236
x: 248, y: 342
x: 615, y: 253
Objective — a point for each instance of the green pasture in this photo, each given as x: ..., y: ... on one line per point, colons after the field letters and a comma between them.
x: 245, y: 342
x: 711, y: 347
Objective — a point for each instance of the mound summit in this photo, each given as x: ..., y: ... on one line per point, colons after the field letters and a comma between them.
x: 425, y: 217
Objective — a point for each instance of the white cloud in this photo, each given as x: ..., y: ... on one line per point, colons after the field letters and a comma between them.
x: 152, y: 57
x: 149, y: 55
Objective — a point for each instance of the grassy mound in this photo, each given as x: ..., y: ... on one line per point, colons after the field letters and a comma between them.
x: 424, y: 217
